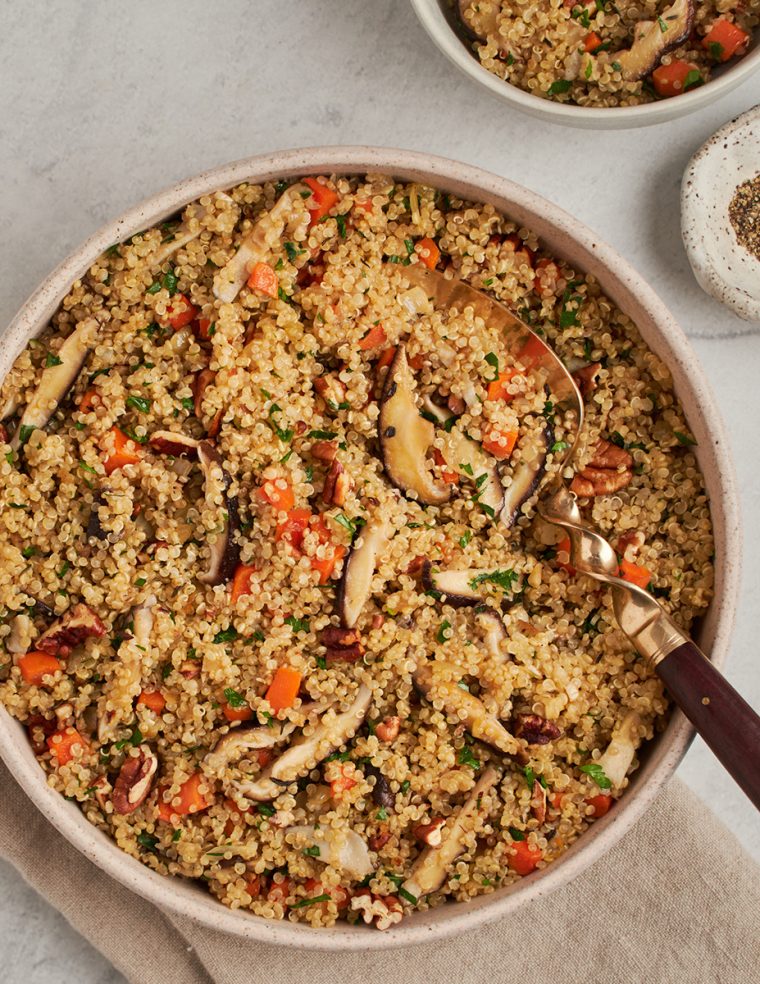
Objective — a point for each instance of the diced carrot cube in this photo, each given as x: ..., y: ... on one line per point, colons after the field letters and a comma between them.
x: 524, y: 857
x: 676, y: 78
x: 236, y: 713
x: 152, y: 699
x: 500, y: 443
x: 278, y: 494
x: 497, y: 388
x: 428, y: 252
x: 180, y: 311
x: 36, y: 665
x: 324, y: 197
x: 66, y: 744
x: 191, y: 800
x: 374, y: 337
x: 241, y: 581
x: 284, y: 688
x: 591, y: 41
x: 725, y: 40
x: 450, y: 477
x: 326, y: 565
x: 635, y: 573
x: 600, y: 803
x: 386, y: 357
x: 264, y: 280
x: 125, y: 451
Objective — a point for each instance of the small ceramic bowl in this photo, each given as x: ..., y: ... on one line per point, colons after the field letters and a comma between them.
x: 567, y: 238
x: 723, y: 267
x: 438, y: 19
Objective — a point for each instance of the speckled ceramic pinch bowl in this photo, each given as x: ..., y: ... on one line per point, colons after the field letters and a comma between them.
x: 567, y: 238
x: 722, y: 266
x: 439, y: 20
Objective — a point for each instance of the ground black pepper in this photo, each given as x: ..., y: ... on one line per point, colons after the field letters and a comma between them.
x: 744, y: 213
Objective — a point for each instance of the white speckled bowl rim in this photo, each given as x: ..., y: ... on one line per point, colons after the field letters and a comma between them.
x: 566, y: 237
x: 434, y: 20
x: 704, y: 210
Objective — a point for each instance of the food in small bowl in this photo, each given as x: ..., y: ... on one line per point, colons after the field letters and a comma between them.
x: 276, y: 614
x: 599, y: 65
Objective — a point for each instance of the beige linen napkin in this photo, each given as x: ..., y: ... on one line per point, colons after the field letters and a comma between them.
x: 677, y: 901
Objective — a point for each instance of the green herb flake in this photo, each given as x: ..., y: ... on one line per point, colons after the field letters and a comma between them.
x: 684, y: 439
x: 559, y: 87
x: 466, y: 757
x: 663, y: 25
x: 234, y: 698
x: 515, y: 834
x: 559, y: 446
x: 147, y: 841
x: 293, y: 252
x: 226, y: 635
x: 594, y: 771
x: 265, y: 809
x: 465, y: 538
x: 322, y: 435
x: 442, y: 631
x: 52, y: 360
x: 139, y: 403
x: 297, y: 624
x: 311, y: 852
x: 302, y: 903
x: 502, y: 579
x: 405, y: 785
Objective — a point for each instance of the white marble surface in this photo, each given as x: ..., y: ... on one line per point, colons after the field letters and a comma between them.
x: 103, y: 104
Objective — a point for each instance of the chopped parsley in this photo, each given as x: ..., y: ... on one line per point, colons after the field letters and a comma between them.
x: 558, y: 87
x: 311, y: 852
x: 52, y: 360
x: 293, y: 251
x: 234, y: 698
x: 148, y: 841
x: 321, y: 435
x: 466, y: 757
x: 594, y: 771
x: 226, y: 635
x: 442, y: 636
x: 265, y: 809
x: 302, y: 903
x: 139, y: 403
x: 134, y: 739
x: 569, y: 316
x: 340, y: 221
x: 515, y: 834
x: 502, y: 579
x: 284, y: 434
x: 297, y: 624
x: 465, y: 538
x: 685, y: 439
x: 352, y: 525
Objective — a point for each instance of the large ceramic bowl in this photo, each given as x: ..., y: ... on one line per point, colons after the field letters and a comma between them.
x: 439, y: 20
x: 567, y: 238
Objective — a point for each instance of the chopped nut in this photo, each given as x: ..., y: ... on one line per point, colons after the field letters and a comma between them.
x: 430, y: 833
x: 609, y: 470
x: 381, y: 838
x: 382, y: 910
x: 456, y: 404
x: 341, y: 644
x: 324, y: 450
x: 586, y: 378
x: 70, y: 630
x: 134, y: 780
x: 538, y: 801
x: 536, y: 730
x: 378, y: 621
x: 629, y: 544
x: 337, y: 485
x: 331, y: 389
x: 388, y: 729
x: 201, y: 380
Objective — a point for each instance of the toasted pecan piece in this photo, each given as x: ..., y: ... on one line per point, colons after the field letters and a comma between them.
x: 609, y: 470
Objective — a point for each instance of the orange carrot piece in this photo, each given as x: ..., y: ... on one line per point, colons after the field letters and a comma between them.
x: 324, y: 197
x: 293, y: 527
x: 725, y: 40
x: 524, y: 857
x: 676, y: 78
x: 283, y: 689
x: 36, y: 665
x: 236, y: 713
x: 152, y: 699
x: 326, y: 565
x: 63, y: 745
x: 635, y: 573
x: 191, y: 800
x: 90, y: 400
x: 532, y: 351
x: 497, y: 388
x: 600, y: 803
x: 343, y: 781
x: 500, y: 443
x: 125, y: 451
x: 365, y: 206
x: 428, y: 252
x: 563, y: 550
x: 180, y: 311
x: 264, y: 280
x: 241, y: 581
x: 450, y: 477
x: 591, y: 41
x: 277, y: 495
x: 374, y: 337
x: 386, y: 357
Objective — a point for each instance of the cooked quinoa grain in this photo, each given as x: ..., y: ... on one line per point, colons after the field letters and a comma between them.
x: 263, y: 621
x: 604, y: 54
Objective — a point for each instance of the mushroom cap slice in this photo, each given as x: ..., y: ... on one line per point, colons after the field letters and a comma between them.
x: 225, y: 552
x: 430, y: 679
x: 339, y: 847
x: 304, y: 753
x: 405, y: 436
x: 173, y: 443
x: 651, y: 42
x: 238, y: 741
x: 526, y: 477
x: 617, y: 757
x: 460, y: 587
x: 257, y: 245
x: 431, y: 867
x: 358, y: 571
x: 57, y: 380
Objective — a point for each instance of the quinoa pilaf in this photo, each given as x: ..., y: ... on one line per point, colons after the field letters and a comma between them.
x: 603, y: 53
x: 276, y: 631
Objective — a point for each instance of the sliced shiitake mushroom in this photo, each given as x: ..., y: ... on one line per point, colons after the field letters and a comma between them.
x: 56, y: 380
x: 257, y: 245
x: 304, y: 753
x: 405, y: 436
x: 359, y: 569
x: 653, y: 39
x: 463, y: 587
x: 436, y: 680
x: 527, y: 476
x: 173, y: 443
x: 338, y: 846
x: 430, y: 869
x: 225, y: 552
x: 237, y: 742
x: 617, y: 757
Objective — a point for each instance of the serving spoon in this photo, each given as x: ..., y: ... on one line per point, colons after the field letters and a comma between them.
x: 722, y: 717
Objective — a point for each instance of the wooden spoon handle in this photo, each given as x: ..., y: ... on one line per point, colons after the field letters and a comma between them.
x: 724, y: 719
